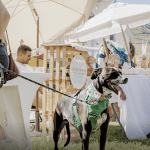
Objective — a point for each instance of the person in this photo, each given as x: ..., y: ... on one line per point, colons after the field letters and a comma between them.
x: 23, y: 58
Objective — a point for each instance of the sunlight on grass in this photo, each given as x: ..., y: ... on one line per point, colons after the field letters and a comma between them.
x: 115, y: 141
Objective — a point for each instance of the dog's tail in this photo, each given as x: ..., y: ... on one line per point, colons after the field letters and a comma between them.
x: 68, y: 134
x: 59, y: 126
x: 65, y: 122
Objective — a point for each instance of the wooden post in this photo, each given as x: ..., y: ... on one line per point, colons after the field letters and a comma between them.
x: 37, y: 54
x: 37, y: 114
x: 37, y: 64
x: 64, y: 71
x: 125, y: 42
x: 51, y: 95
x: 37, y: 126
x: 57, y: 73
x: 106, y: 49
x: 63, y: 82
x: 45, y: 59
x: 44, y: 100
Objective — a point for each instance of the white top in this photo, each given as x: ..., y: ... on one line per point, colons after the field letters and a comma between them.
x: 24, y: 67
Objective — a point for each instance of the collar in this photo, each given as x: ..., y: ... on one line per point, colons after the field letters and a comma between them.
x: 106, y: 91
x: 93, y: 95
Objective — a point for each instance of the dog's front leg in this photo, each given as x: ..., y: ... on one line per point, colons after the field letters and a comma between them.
x: 85, y: 136
x: 103, y: 130
x: 85, y: 140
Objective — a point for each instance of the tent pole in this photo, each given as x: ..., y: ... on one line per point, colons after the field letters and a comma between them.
x: 37, y: 56
x: 125, y: 42
x: 106, y: 49
x: 37, y: 126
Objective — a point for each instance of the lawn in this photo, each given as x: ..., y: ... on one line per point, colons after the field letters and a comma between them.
x: 115, y: 141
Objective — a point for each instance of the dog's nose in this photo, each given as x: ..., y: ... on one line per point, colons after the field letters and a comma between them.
x: 125, y: 80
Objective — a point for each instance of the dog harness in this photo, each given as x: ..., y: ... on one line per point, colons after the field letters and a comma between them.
x: 95, y: 105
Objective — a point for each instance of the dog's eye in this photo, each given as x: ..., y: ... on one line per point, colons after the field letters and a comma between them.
x: 114, y: 75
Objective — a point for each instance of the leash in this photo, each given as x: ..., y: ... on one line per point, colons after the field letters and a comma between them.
x: 43, y: 85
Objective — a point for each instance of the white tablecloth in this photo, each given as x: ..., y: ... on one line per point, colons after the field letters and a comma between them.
x: 135, y: 111
x: 27, y: 92
x: 11, y: 119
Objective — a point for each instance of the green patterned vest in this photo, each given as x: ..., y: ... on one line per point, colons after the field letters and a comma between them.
x: 94, y: 105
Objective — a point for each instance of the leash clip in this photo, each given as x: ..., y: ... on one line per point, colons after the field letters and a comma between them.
x: 74, y: 101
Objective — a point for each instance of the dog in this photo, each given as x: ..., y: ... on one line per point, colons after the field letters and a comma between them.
x: 105, y: 80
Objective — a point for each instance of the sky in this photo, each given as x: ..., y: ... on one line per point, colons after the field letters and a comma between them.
x: 135, y: 1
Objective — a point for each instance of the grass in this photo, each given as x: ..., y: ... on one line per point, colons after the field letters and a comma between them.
x: 112, y: 120
x: 115, y: 141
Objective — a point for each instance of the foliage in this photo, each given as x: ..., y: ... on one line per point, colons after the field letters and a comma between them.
x: 47, y: 130
x: 132, y: 50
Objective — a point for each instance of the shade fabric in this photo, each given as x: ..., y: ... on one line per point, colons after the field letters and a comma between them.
x: 107, y: 22
x: 135, y: 110
x: 88, y: 34
x: 4, y: 19
x: 56, y: 18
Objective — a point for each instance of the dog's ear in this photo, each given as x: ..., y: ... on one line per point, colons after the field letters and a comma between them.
x: 120, y: 72
x: 95, y: 73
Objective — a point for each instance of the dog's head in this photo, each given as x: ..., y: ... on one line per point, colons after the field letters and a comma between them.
x: 110, y: 78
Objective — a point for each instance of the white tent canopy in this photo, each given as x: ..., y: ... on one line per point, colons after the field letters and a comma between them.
x: 142, y: 32
x: 105, y: 23
x: 87, y: 35
x: 56, y: 18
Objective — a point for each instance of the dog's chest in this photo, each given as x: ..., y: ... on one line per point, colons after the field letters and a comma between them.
x: 106, y: 91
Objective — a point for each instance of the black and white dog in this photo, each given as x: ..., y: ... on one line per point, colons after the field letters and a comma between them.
x: 103, y: 78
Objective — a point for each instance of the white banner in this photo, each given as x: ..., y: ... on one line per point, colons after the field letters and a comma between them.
x: 78, y: 71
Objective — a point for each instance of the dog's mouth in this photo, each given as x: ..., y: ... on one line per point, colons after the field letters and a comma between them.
x: 116, y: 88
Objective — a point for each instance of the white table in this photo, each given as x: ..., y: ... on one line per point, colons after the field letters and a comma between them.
x: 135, y: 111
x: 27, y: 92
x: 11, y: 119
